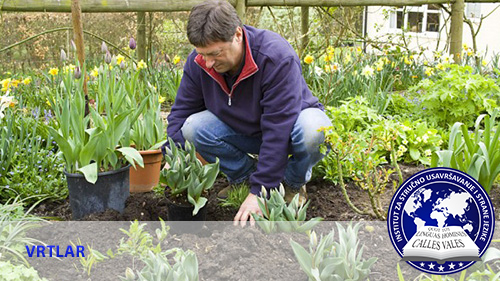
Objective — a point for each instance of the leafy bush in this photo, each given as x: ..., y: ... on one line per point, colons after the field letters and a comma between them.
x: 328, y: 260
x: 279, y: 216
x: 20, y: 272
x: 456, y: 95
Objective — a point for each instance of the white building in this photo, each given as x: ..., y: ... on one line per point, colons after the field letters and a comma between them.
x: 428, y: 26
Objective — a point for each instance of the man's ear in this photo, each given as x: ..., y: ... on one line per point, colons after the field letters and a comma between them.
x: 239, y: 34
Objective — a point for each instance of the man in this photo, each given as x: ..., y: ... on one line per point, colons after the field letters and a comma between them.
x: 243, y: 93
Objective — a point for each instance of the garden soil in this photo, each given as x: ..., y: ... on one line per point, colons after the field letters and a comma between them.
x: 327, y: 201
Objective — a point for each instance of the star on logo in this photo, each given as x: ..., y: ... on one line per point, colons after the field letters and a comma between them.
x: 460, y: 264
x: 431, y: 266
x: 452, y: 266
x: 422, y: 264
x: 441, y: 268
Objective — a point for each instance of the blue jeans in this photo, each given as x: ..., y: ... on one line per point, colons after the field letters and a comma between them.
x: 213, y: 138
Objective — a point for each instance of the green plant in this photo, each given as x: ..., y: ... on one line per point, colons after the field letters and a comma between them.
x: 137, y: 244
x: 148, y: 131
x: 29, y: 168
x: 236, y: 196
x: 279, y: 216
x: 88, y: 142
x: 14, y: 223
x: 329, y: 260
x: 20, y: 272
x: 456, y: 95
x: 157, y: 267
x: 187, y: 178
x: 476, y: 153
x: 365, y: 151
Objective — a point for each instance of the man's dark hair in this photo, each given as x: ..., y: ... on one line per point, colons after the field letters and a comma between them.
x: 212, y: 21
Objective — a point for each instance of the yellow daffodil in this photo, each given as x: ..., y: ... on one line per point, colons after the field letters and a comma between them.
x: 414, y: 76
x: 359, y: 50
x: 367, y: 71
x: 470, y: 52
x: 484, y: 63
x: 119, y: 59
x: 465, y: 46
x: 330, y: 50
x: 15, y: 82
x: 407, y: 61
x: 328, y: 58
x: 27, y: 80
x: 426, y: 63
x: 347, y: 58
x: 141, y: 65
x: 94, y: 72
x: 176, y: 60
x: 6, y: 83
x: 308, y: 59
x: 440, y: 66
x: 54, y: 71
x: 429, y: 71
x: 48, y: 103
x: 161, y: 99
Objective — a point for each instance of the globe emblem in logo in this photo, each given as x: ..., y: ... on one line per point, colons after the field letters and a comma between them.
x: 441, y: 221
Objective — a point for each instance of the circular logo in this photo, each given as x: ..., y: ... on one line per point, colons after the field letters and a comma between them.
x: 441, y: 221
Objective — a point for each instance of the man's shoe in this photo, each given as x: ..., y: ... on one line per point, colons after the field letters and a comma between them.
x: 224, y: 193
x: 290, y: 194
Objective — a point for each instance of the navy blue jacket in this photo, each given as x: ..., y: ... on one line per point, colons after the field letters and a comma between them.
x: 265, y: 100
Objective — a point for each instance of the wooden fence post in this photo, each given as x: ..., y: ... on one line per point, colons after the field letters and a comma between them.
x: 456, y: 30
x: 76, y: 18
x: 304, y: 16
x: 241, y: 9
x: 141, y: 36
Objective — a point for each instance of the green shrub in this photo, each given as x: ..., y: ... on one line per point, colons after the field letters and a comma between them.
x: 20, y: 272
x: 456, y: 95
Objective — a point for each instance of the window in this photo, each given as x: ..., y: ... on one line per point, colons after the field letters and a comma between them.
x: 426, y: 18
x: 473, y: 10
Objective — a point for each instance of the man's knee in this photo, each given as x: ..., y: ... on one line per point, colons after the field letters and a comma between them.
x: 195, y: 123
x: 309, y: 122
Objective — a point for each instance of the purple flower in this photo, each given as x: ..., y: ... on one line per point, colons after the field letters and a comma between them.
x: 78, y: 73
x: 107, y: 58
x: 63, y: 55
x: 132, y: 44
x: 104, y: 47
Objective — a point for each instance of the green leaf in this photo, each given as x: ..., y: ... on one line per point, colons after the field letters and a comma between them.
x: 90, y: 172
x: 132, y: 156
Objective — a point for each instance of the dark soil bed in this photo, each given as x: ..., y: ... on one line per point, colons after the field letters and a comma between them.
x: 327, y: 201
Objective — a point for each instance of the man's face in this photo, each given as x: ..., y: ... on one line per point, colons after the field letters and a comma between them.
x: 224, y: 56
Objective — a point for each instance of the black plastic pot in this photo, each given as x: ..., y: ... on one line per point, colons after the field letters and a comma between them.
x: 110, y: 191
x: 181, y: 219
x: 177, y: 212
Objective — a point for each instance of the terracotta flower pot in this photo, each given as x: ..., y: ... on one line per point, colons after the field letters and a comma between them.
x: 144, y: 179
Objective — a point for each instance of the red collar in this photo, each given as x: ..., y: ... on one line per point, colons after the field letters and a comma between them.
x: 249, y: 68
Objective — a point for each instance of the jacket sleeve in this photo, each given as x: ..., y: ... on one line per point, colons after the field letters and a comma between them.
x: 188, y: 101
x: 281, y: 103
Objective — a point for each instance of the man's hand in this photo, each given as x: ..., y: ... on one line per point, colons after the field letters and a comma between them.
x: 249, y: 206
